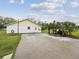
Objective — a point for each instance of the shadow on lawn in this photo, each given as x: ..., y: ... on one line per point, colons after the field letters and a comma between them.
x: 59, y: 35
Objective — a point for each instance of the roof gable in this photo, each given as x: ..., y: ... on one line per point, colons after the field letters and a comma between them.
x: 23, y: 21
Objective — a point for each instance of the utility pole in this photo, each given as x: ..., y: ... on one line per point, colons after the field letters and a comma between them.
x: 18, y: 27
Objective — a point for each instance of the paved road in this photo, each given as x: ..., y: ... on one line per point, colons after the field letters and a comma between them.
x: 39, y: 46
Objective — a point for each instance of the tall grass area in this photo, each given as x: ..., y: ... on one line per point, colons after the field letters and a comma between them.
x: 8, y: 43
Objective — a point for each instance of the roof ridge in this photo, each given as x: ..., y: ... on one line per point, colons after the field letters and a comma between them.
x: 22, y: 21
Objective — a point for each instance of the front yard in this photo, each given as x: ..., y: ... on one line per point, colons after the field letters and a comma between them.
x: 75, y: 34
x: 8, y: 43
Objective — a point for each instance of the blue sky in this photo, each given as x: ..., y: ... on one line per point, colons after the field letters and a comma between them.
x: 16, y: 9
x: 45, y: 10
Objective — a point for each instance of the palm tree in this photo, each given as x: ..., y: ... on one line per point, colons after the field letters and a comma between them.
x: 52, y: 26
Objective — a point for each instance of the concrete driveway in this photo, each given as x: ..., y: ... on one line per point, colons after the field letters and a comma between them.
x: 39, y: 46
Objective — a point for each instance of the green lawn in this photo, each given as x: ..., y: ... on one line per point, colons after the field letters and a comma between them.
x: 46, y: 31
x: 8, y: 43
x: 76, y: 34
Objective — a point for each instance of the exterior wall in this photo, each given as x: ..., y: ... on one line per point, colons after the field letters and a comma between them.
x: 10, y: 28
x: 23, y: 27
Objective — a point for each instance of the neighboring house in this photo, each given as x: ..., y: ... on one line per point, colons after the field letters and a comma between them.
x: 24, y: 26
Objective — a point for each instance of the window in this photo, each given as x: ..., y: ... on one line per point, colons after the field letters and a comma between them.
x: 28, y: 27
x: 35, y: 28
x: 39, y: 29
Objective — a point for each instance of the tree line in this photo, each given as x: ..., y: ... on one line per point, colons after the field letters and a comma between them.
x: 5, y: 20
x: 62, y: 28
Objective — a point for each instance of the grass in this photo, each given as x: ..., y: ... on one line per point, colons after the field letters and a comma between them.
x: 75, y: 34
x: 8, y: 43
x: 46, y: 31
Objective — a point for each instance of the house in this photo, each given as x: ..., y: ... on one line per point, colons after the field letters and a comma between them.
x: 24, y: 26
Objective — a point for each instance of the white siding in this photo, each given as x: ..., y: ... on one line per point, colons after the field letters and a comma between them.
x: 10, y: 28
x: 23, y: 29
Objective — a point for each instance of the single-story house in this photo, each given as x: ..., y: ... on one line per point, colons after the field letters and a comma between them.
x: 24, y: 26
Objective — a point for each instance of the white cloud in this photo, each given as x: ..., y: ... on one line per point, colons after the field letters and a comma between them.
x: 46, y: 6
x: 53, y: 12
x: 22, y: 1
x: 55, y: 8
x: 58, y: 17
x: 11, y: 1
x: 50, y: 6
x: 74, y: 3
x: 17, y: 1
x: 57, y: 1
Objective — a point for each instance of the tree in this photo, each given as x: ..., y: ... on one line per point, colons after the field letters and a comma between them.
x: 5, y: 20
x: 8, y: 20
x: 65, y: 27
x: 68, y: 27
